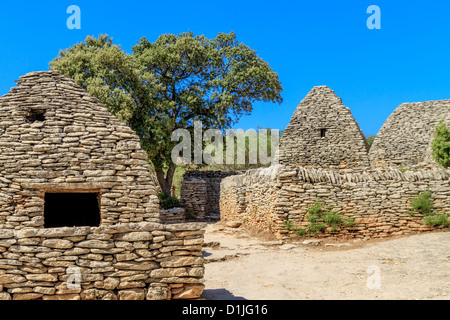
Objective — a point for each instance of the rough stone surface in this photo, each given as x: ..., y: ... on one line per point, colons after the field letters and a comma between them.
x: 378, y: 200
x: 404, y: 141
x: 174, y: 215
x: 129, y: 262
x: 200, y: 192
x: 160, y: 293
x: 56, y: 138
x: 322, y: 133
x: 73, y: 145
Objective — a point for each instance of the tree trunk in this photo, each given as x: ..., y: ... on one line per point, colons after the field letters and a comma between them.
x: 165, y: 182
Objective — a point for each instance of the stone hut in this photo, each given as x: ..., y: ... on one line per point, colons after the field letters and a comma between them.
x: 78, y: 201
x: 62, y: 151
x: 404, y: 141
x: 322, y: 133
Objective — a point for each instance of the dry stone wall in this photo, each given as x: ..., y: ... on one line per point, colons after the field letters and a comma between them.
x: 200, y: 192
x: 174, y: 215
x: 249, y: 198
x: 194, y: 197
x: 134, y: 261
x: 322, y: 133
x: 377, y: 200
x: 404, y: 141
x: 54, y: 137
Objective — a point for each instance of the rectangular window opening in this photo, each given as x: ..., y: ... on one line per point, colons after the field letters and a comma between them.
x: 323, y: 133
x: 71, y: 210
x: 35, y: 115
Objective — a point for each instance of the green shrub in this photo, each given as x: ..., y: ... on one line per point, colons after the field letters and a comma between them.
x: 437, y: 220
x: 314, y: 212
x: 350, y: 222
x: 440, y: 146
x: 332, y: 218
x: 300, y: 232
x: 316, y: 209
x: 168, y: 202
x: 314, y: 228
x: 320, y: 218
x: 288, y: 225
x: 312, y: 218
x: 422, y: 204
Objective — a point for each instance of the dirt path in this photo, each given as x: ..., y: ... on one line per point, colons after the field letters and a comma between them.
x: 245, y: 267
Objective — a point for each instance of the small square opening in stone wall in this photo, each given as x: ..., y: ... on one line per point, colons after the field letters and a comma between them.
x: 35, y: 115
x: 71, y: 210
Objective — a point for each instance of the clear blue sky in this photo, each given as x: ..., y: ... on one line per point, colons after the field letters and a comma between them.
x: 307, y: 43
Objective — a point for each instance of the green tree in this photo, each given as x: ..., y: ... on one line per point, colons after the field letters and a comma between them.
x: 169, y: 84
x: 440, y: 145
x: 370, y: 139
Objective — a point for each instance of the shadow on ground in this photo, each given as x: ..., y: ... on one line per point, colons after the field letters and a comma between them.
x: 220, y: 294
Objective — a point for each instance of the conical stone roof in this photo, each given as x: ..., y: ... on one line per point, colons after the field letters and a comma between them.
x: 322, y: 133
x: 406, y: 136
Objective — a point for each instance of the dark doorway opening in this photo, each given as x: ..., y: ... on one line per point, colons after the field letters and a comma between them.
x: 71, y: 210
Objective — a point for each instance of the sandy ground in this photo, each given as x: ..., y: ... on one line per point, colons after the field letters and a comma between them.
x: 248, y: 267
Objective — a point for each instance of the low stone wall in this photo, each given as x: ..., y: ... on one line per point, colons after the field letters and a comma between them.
x: 200, y: 191
x: 378, y: 200
x: 249, y: 198
x: 126, y: 262
x: 174, y: 215
x: 194, y: 197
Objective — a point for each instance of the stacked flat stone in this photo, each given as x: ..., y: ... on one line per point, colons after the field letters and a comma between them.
x: 133, y: 261
x: 194, y: 197
x: 378, y: 200
x: 405, y: 138
x: 79, y: 146
x: 174, y: 215
x: 249, y: 198
x: 202, y: 198
x: 54, y: 137
x: 322, y: 133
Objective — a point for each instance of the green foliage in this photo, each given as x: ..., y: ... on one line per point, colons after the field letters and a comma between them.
x: 301, y: 232
x: 314, y: 228
x: 168, y: 202
x: 169, y: 84
x: 440, y: 146
x: 288, y: 224
x: 422, y: 204
x: 350, y: 222
x: 316, y: 209
x: 437, y: 220
x: 320, y: 218
x: 332, y: 218
x: 370, y: 139
x: 314, y: 212
x: 312, y: 218
x: 231, y: 142
x: 177, y: 179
